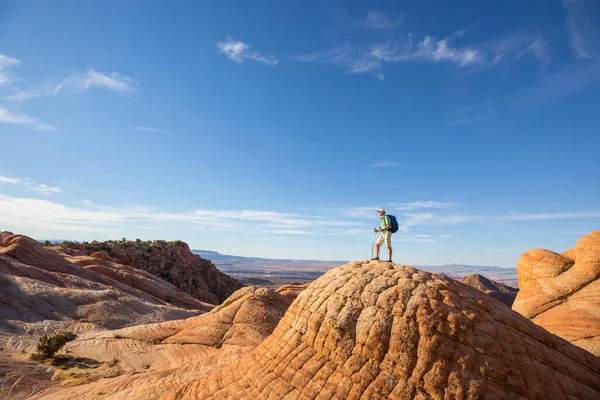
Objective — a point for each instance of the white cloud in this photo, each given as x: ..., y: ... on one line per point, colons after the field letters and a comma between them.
x: 31, y: 185
x: 509, y: 48
x: 554, y: 86
x: 79, y: 82
x: 38, y: 214
x: 148, y: 129
x: 5, y: 63
x: 358, y: 59
x: 424, y: 204
x: 379, y: 20
x: 19, y: 119
x: 239, y: 52
x: 583, y: 34
x: 384, y: 164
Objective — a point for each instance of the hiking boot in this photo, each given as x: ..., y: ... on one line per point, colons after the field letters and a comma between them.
x: 388, y: 261
x: 375, y: 259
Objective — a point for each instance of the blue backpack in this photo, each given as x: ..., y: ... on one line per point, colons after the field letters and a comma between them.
x: 394, y: 223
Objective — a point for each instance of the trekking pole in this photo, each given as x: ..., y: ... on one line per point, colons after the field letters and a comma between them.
x: 373, y: 245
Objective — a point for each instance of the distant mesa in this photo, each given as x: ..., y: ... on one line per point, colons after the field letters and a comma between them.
x: 505, y: 294
x: 561, y: 292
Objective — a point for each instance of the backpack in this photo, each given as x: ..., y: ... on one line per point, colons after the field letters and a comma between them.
x: 394, y: 223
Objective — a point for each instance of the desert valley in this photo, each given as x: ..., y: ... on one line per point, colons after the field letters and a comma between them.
x: 152, y: 320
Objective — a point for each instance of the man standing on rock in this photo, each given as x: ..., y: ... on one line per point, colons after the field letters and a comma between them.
x: 385, y: 224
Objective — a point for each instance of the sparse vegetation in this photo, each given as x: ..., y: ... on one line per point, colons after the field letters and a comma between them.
x: 118, y: 336
x: 48, y: 346
x: 112, y: 362
x: 106, y: 245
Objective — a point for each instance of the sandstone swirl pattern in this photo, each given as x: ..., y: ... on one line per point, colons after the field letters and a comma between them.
x: 375, y: 330
x: 561, y: 292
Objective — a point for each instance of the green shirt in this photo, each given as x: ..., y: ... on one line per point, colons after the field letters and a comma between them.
x: 384, y: 221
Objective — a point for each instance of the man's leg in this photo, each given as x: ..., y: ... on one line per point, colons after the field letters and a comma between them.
x: 388, y: 243
x: 378, y: 244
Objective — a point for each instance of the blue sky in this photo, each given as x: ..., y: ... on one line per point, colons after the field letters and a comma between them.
x: 275, y: 129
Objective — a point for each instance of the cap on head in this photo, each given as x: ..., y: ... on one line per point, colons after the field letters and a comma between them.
x: 381, y: 210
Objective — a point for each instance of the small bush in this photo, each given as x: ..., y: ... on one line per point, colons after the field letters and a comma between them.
x: 63, y: 367
x: 118, y: 336
x: 49, y: 345
x: 112, y: 362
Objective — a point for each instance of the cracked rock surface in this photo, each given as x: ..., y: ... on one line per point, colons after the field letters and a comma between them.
x: 375, y: 330
x: 561, y: 292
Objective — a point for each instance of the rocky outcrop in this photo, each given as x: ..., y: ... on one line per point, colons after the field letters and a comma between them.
x: 42, y: 293
x: 505, y: 294
x: 382, y: 331
x: 561, y: 292
x: 291, y: 291
x: 170, y: 261
x: 167, y: 355
x: 21, y: 379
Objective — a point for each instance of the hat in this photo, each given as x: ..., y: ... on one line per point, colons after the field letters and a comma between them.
x: 381, y: 209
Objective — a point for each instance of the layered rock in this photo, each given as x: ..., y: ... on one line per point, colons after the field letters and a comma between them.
x: 170, y: 261
x: 382, y: 331
x: 42, y: 293
x: 291, y: 291
x: 167, y: 355
x: 561, y: 292
x: 505, y: 294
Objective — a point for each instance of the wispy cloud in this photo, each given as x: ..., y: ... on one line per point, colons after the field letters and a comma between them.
x: 372, y: 58
x: 386, y: 164
x: 380, y: 20
x: 363, y: 59
x: 5, y: 63
x: 239, y: 51
x: 583, y: 33
x: 424, y: 204
x: 79, y: 82
x: 31, y: 185
x: 42, y: 214
x: 509, y: 48
x: 19, y: 119
x: 149, y: 129
x: 554, y: 86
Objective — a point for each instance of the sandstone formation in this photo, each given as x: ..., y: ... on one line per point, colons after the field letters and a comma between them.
x: 561, y: 292
x: 42, y: 293
x: 505, y: 294
x: 21, y: 379
x: 160, y: 357
x: 291, y: 291
x: 170, y: 261
x: 375, y: 330
x: 365, y: 330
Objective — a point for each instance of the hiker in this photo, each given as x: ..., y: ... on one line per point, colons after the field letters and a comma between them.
x: 385, y: 226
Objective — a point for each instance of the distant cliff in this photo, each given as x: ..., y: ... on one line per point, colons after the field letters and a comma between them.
x: 171, y: 261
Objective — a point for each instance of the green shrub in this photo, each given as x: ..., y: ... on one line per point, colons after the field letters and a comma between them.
x: 49, y: 345
x: 112, y: 362
x: 118, y: 336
